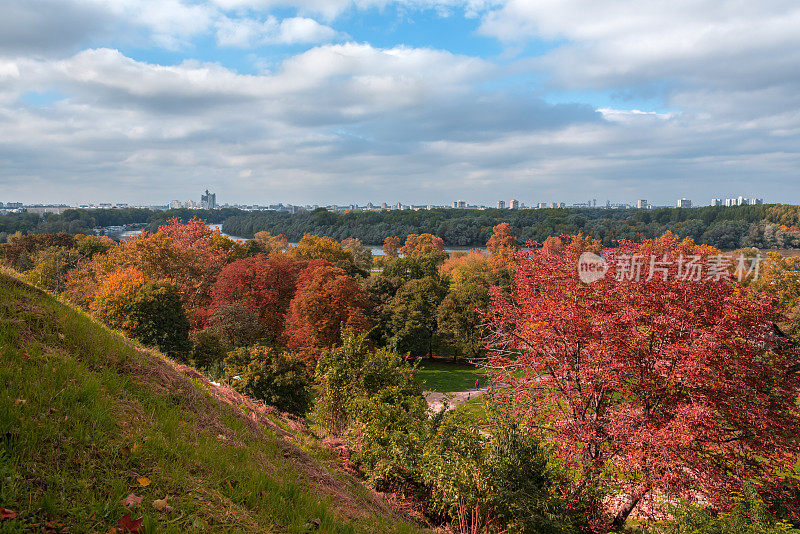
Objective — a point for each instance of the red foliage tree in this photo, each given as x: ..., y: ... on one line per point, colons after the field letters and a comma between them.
x: 327, y: 300
x: 262, y: 284
x: 661, y: 385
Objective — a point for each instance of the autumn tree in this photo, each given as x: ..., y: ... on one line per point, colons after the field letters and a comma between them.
x: 149, y: 311
x: 674, y: 384
x: 390, y: 246
x: 270, y: 244
x: 314, y: 247
x: 461, y: 315
x: 779, y: 275
x: 422, y: 245
x: 362, y: 256
x: 326, y: 302
x: 262, y: 284
x: 502, y: 244
x: 190, y: 256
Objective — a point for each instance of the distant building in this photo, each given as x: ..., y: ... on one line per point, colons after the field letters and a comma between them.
x: 501, y: 204
x: 716, y: 202
x: 730, y: 202
x: 41, y: 210
x: 514, y: 204
x: 541, y: 205
x: 757, y: 201
x: 208, y: 201
x: 684, y: 203
x: 175, y: 204
x: 641, y: 204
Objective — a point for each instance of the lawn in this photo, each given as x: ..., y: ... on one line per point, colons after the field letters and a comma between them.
x: 443, y: 376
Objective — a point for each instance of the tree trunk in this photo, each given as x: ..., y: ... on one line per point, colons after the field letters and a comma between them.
x: 627, y: 508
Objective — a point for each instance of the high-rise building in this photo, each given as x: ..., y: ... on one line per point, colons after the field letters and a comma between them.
x: 716, y: 202
x: 208, y: 201
x: 175, y: 204
x: 501, y: 204
x: 757, y: 201
x: 459, y: 204
x: 684, y: 203
x: 514, y: 204
x: 641, y: 204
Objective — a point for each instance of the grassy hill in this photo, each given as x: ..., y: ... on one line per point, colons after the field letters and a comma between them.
x: 88, y: 418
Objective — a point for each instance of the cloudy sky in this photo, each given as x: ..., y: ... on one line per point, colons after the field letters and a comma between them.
x: 418, y: 101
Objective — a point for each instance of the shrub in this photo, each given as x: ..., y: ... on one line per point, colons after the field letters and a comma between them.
x: 748, y: 516
x: 209, y: 349
x: 373, y: 397
x: 277, y: 378
x: 503, y: 479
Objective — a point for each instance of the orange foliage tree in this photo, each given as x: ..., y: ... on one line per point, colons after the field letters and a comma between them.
x: 502, y: 244
x: 190, y: 256
x: 326, y: 302
x: 390, y: 246
x: 422, y: 245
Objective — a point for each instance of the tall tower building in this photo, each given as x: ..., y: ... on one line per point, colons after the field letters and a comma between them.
x: 208, y: 201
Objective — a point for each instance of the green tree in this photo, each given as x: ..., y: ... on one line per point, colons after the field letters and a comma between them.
x: 414, y: 313
x: 460, y: 316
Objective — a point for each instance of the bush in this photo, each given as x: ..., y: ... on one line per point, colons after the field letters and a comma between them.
x: 277, y: 378
x: 503, y: 480
x: 748, y: 516
x: 209, y: 350
x: 373, y: 397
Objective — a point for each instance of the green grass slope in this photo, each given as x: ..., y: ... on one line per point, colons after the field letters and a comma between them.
x: 86, y: 413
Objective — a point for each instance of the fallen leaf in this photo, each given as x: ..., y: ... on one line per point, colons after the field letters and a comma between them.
x: 160, y: 504
x: 144, y: 481
x: 134, y: 448
x: 112, y: 530
x: 19, y: 401
x: 5, y: 513
x: 132, y: 500
x: 127, y: 524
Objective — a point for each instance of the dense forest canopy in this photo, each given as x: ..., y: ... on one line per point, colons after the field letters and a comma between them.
x: 764, y: 226
x: 723, y: 227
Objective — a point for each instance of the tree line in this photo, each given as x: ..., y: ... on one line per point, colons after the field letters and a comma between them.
x: 763, y: 226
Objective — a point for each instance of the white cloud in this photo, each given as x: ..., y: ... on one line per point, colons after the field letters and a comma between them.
x: 247, y: 32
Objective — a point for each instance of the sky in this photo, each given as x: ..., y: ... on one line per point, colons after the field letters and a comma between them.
x: 416, y: 101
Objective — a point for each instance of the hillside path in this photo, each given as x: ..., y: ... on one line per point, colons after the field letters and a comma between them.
x: 436, y: 398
